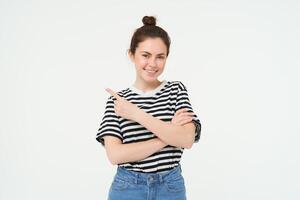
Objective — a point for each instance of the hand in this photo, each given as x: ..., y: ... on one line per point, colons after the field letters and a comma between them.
x: 182, y: 117
x: 123, y: 107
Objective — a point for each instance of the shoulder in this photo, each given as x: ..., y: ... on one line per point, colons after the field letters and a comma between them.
x: 178, y: 84
x: 121, y: 93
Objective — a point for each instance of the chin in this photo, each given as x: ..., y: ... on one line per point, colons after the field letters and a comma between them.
x: 150, y: 79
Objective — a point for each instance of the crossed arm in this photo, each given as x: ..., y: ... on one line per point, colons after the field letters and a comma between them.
x: 170, y: 133
x: 180, y: 132
x: 120, y: 153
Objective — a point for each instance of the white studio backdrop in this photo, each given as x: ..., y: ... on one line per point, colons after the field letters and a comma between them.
x: 238, y: 59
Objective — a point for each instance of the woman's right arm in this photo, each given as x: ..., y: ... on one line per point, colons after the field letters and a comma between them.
x: 118, y: 153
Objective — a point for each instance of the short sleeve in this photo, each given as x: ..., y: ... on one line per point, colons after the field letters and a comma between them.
x: 110, y: 123
x: 182, y: 101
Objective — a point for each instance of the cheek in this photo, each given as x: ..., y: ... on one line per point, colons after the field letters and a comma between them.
x: 161, y: 63
x: 141, y: 62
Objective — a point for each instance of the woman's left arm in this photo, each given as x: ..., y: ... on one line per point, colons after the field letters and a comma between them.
x: 175, y: 135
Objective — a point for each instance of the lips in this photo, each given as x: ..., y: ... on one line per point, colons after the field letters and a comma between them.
x: 151, y: 71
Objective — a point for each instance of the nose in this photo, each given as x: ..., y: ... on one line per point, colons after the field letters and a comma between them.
x: 152, y: 62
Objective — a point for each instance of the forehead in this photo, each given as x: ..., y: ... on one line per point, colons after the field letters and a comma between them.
x: 153, y: 46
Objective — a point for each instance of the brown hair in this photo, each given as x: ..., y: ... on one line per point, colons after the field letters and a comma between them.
x: 149, y: 30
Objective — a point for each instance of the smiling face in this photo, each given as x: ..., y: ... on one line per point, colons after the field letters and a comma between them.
x: 149, y: 59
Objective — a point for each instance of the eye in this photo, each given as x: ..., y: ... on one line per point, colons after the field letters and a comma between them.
x: 161, y: 57
x: 145, y: 55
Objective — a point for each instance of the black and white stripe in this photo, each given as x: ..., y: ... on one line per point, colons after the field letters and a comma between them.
x: 161, y: 103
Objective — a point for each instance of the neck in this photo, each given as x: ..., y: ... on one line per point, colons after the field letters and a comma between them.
x: 146, y: 86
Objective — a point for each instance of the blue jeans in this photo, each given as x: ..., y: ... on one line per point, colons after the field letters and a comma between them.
x: 130, y: 185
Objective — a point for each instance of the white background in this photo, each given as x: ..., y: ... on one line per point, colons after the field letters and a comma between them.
x: 239, y: 61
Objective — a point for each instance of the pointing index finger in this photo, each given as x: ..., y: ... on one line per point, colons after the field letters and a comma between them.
x: 113, y: 93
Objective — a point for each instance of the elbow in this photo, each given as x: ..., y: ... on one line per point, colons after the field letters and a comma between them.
x: 186, y: 144
x: 189, y: 141
x: 189, y: 145
x: 113, y: 160
x: 190, y: 136
x: 113, y: 152
x: 113, y: 157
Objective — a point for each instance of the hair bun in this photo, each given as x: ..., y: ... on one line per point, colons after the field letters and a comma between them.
x: 149, y: 20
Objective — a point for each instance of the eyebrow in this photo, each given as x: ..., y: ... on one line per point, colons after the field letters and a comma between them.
x: 150, y: 53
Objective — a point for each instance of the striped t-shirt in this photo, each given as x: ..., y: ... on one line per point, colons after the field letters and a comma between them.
x: 161, y: 103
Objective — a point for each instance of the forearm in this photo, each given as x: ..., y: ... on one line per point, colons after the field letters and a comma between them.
x: 171, y: 134
x: 131, y: 152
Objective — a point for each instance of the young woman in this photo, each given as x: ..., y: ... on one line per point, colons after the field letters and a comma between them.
x: 147, y: 126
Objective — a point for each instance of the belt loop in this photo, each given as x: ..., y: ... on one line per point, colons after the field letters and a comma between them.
x: 136, y: 178
x: 160, y: 178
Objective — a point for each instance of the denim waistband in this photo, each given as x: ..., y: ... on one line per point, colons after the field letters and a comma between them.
x: 146, y: 178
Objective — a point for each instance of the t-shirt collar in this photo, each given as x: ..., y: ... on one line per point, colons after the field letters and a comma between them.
x: 148, y: 93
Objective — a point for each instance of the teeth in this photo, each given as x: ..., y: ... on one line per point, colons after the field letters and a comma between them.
x: 151, y: 71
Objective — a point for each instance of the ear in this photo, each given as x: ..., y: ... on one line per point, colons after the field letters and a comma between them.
x: 131, y: 56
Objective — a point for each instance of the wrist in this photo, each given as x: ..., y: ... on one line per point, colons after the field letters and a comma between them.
x: 138, y: 115
x: 162, y: 143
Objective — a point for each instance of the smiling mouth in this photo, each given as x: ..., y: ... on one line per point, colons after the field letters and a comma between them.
x: 151, y: 71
